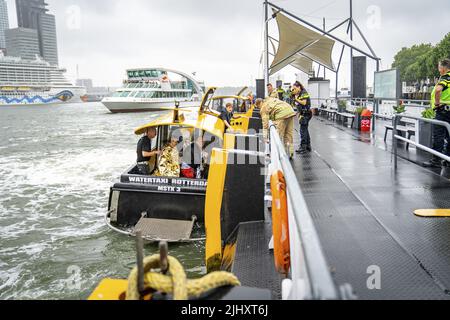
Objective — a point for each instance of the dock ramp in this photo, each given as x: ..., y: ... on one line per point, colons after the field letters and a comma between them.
x: 155, y: 230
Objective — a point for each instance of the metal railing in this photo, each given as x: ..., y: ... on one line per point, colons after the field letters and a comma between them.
x: 396, y: 137
x: 310, y: 274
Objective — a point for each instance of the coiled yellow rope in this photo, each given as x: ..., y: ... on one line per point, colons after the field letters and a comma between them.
x: 176, y: 282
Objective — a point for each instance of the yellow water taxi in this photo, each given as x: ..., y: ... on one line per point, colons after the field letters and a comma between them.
x: 167, y: 207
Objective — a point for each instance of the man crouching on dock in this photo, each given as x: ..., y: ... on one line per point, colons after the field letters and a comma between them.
x: 283, y: 115
x: 145, y: 153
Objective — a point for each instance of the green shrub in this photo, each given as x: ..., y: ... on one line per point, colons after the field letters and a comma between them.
x: 429, y: 113
x: 342, y: 105
x: 359, y: 110
x: 399, y: 109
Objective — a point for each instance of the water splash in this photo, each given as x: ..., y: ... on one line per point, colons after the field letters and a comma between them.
x: 56, y: 166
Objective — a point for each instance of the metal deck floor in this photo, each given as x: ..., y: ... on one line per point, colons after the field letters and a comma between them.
x: 254, y: 263
x: 363, y: 212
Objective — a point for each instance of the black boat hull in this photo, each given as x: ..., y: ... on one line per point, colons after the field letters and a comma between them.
x: 157, y: 198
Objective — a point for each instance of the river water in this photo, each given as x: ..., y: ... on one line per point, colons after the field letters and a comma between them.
x: 56, y: 166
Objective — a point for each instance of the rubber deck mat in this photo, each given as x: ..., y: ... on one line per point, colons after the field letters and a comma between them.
x: 363, y: 212
x: 254, y: 262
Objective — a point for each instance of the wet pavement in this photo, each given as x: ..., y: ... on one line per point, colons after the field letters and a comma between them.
x: 363, y: 211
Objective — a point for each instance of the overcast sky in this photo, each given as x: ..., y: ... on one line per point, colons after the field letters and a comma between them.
x: 220, y: 40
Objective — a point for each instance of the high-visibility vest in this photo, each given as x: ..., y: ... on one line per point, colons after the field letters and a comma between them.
x: 444, y: 81
x: 304, y: 95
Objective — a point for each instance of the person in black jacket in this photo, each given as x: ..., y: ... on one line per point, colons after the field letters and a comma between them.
x: 227, y: 115
x: 144, y: 151
x: 192, y: 155
x: 302, y: 101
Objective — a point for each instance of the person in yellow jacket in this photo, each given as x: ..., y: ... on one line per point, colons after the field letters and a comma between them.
x: 282, y: 114
x: 281, y: 93
x: 272, y: 92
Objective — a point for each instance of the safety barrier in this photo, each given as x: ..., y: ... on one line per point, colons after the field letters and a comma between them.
x: 396, y: 137
x: 310, y: 274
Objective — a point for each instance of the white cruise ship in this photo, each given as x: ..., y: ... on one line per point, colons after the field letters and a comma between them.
x: 35, y: 82
x: 154, y: 89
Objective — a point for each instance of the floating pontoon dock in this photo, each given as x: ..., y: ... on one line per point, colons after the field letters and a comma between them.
x: 363, y: 212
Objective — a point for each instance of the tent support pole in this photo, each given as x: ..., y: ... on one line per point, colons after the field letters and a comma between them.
x: 351, y: 50
x: 321, y: 31
x: 364, y: 39
x: 266, y: 44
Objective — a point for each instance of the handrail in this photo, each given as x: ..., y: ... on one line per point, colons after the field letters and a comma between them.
x: 319, y: 280
x: 396, y: 137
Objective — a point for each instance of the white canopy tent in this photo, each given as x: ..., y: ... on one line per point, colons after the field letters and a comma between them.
x: 301, y: 43
x: 300, y: 47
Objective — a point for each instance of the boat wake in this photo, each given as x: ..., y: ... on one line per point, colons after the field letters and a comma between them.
x: 55, y: 178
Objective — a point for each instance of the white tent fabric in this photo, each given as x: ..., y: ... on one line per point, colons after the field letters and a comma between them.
x: 300, y: 46
x: 298, y: 61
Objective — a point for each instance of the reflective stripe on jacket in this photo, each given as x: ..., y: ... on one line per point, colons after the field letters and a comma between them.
x: 275, y: 110
x: 444, y: 81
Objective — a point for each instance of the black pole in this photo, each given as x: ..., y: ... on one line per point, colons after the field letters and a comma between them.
x: 324, y: 29
x: 351, y: 51
x: 364, y: 38
x: 266, y: 44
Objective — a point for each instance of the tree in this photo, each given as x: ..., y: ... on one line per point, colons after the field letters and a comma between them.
x: 420, y: 61
x: 407, y: 59
x: 442, y: 50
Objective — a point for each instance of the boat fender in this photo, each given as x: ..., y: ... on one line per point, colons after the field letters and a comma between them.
x: 280, y: 223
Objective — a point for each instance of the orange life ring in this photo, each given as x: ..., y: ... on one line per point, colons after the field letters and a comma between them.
x: 280, y: 223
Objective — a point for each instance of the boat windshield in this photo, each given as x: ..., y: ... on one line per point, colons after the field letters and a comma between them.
x: 239, y: 105
x: 153, y: 94
x: 208, y: 101
x: 121, y: 94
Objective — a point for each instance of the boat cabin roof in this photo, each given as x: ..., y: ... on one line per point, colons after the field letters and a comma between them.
x: 188, y: 118
x: 202, y: 118
x: 231, y: 97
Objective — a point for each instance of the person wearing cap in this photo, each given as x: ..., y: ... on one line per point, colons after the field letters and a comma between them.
x: 145, y: 151
x: 282, y: 114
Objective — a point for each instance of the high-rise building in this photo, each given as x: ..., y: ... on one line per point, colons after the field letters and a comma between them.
x: 23, y: 43
x: 47, y: 39
x: 29, y: 12
x: 33, y: 14
x: 4, y: 23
